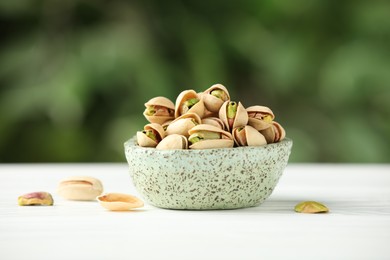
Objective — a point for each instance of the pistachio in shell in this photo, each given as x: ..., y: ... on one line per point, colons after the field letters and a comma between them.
x: 119, y: 201
x: 215, y: 96
x: 233, y: 115
x: 183, y: 124
x: 260, y: 117
x: 152, y: 134
x: 173, y: 142
x: 189, y: 101
x: 274, y: 133
x: 214, y: 121
x: 159, y: 110
x: 248, y: 136
x: 207, y: 137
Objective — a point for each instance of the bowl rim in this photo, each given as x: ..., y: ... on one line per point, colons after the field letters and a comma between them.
x: 131, y: 143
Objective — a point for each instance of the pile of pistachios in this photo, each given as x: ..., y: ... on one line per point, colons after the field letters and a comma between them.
x: 209, y: 119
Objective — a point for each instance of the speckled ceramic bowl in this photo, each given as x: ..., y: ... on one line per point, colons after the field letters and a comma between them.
x: 225, y: 178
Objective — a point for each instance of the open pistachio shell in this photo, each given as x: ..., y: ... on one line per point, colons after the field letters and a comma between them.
x: 151, y: 135
x: 189, y: 101
x: 233, y: 118
x: 119, y: 201
x: 248, y: 136
x: 166, y: 124
x: 159, y: 110
x: 260, y: 117
x: 183, y: 123
x: 215, y: 96
x: 219, y: 139
x: 214, y: 121
x: 173, y: 142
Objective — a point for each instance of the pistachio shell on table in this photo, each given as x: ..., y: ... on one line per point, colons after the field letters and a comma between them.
x: 80, y: 188
x: 172, y: 142
x: 248, y: 136
x: 152, y: 134
x: 233, y: 114
x: 215, y: 96
x: 159, y: 110
x: 207, y: 137
x: 119, y: 201
x: 260, y: 117
x: 189, y: 101
x: 310, y: 207
x: 183, y: 123
x: 38, y: 198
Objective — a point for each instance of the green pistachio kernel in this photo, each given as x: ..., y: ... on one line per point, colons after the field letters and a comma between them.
x: 219, y: 93
x: 311, y: 207
x: 231, y: 110
x: 190, y: 102
x: 150, y: 134
x: 267, y: 118
x: 204, y: 135
x: 150, y: 111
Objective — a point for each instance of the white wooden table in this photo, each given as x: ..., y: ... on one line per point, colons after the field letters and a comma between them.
x: 357, y: 227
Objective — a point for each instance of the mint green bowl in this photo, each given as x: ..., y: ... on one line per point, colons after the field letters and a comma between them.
x: 225, y: 178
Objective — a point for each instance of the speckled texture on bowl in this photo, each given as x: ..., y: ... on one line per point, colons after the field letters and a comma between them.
x: 207, y: 179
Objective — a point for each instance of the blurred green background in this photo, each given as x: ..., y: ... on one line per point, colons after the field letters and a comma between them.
x: 74, y: 75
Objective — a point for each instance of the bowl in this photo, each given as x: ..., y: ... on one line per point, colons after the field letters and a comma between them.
x: 224, y: 178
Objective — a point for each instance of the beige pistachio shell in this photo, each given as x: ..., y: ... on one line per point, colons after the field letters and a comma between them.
x: 183, y: 123
x: 275, y: 133
x: 185, y: 95
x: 212, y: 103
x: 145, y: 141
x: 173, y: 142
x: 248, y: 136
x: 119, y: 201
x: 214, y: 121
x: 161, y: 102
x: 280, y: 133
x: 226, y: 140
x: 269, y: 134
x: 80, y: 188
x: 240, y: 119
x: 166, y: 124
x: 260, y: 117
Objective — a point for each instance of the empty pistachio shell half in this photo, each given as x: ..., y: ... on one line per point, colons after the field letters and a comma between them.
x: 311, y: 207
x: 80, y: 188
x: 159, y: 110
x: 189, y: 101
x: 40, y: 198
x: 119, y: 201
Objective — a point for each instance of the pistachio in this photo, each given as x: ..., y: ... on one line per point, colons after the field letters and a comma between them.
x: 233, y: 114
x: 151, y: 135
x: 80, y: 188
x: 119, y: 201
x: 172, y: 142
x: 207, y: 136
x: 40, y: 198
x: 159, y: 110
x: 189, y: 101
x: 311, y: 207
x: 214, y: 97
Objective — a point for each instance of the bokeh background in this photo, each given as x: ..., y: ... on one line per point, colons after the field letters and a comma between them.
x: 74, y: 75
